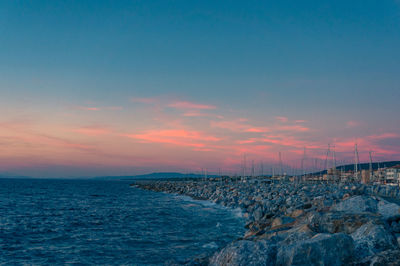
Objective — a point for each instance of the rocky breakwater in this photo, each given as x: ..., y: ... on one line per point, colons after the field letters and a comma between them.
x: 301, y: 224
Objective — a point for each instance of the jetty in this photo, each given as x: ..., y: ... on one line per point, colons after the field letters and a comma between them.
x: 301, y: 223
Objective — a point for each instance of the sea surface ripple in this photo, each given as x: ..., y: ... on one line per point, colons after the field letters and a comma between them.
x: 53, y: 222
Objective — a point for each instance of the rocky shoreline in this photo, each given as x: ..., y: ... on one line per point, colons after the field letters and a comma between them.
x: 302, y: 223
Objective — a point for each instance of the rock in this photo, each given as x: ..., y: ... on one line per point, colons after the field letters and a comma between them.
x: 346, y: 196
x: 296, y: 234
x: 258, y: 214
x: 322, y: 249
x: 395, y: 227
x: 389, y: 257
x: 357, y: 204
x: 371, y: 239
x: 282, y: 221
x: 337, y: 222
x: 313, y: 221
x: 296, y: 213
x: 246, y: 253
x: 397, y: 236
x: 388, y: 210
x: 199, y: 260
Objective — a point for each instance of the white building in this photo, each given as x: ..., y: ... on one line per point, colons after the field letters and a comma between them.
x: 392, y: 175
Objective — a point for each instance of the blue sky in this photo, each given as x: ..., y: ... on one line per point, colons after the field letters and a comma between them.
x: 333, y: 64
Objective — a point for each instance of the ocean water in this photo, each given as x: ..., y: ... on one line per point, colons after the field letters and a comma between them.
x: 53, y: 222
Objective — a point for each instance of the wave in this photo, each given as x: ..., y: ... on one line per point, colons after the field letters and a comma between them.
x: 210, y: 245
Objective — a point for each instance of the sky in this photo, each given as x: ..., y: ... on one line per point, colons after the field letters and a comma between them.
x: 94, y: 88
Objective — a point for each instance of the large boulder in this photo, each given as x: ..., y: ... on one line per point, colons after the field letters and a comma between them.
x: 258, y: 214
x: 288, y: 236
x: 246, y: 253
x: 388, y: 257
x: 284, y: 220
x: 293, y: 235
x: 388, y: 210
x: 371, y: 239
x: 357, y: 204
x: 322, y: 249
x: 338, y: 222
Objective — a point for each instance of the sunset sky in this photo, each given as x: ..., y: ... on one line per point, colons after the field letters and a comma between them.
x: 91, y: 88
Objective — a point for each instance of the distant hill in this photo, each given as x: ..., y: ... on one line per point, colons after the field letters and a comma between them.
x: 11, y: 175
x: 363, y: 166
x: 167, y: 175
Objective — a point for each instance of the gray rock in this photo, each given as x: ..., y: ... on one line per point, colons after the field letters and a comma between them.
x: 395, y: 227
x: 371, y: 239
x: 397, y: 237
x: 322, y: 249
x: 388, y: 210
x: 246, y: 253
x: 357, y: 204
x: 389, y: 257
x: 337, y: 222
x: 282, y: 221
x: 258, y: 214
x: 300, y: 233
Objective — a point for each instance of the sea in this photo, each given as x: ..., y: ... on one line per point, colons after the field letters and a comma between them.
x: 87, y: 222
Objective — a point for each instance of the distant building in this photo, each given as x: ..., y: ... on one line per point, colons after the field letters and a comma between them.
x: 365, y: 177
x: 332, y: 174
x: 346, y: 176
x: 392, y: 175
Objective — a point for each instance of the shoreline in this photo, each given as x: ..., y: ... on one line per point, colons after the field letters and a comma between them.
x: 302, y: 223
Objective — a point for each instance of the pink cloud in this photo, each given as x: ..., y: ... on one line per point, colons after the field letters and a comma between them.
x: 369, y: 143
x: 194, y: 114
x: 238, y: 125
x: 200, y: 114
x: 92, y: 131
x: 179, y: 137
x: 282, y: 119
x: 352, y: 123
x: 241, y: 125
x: 246, y: 141
x: 85, y: 108
x: 384, y: 136
x: 257, y: 129
x: 190, y: 105
x: 292, y: 128
x: 231, y: 125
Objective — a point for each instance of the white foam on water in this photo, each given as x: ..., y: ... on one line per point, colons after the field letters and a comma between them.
x: 238, y: 212
x: 210, y: 245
